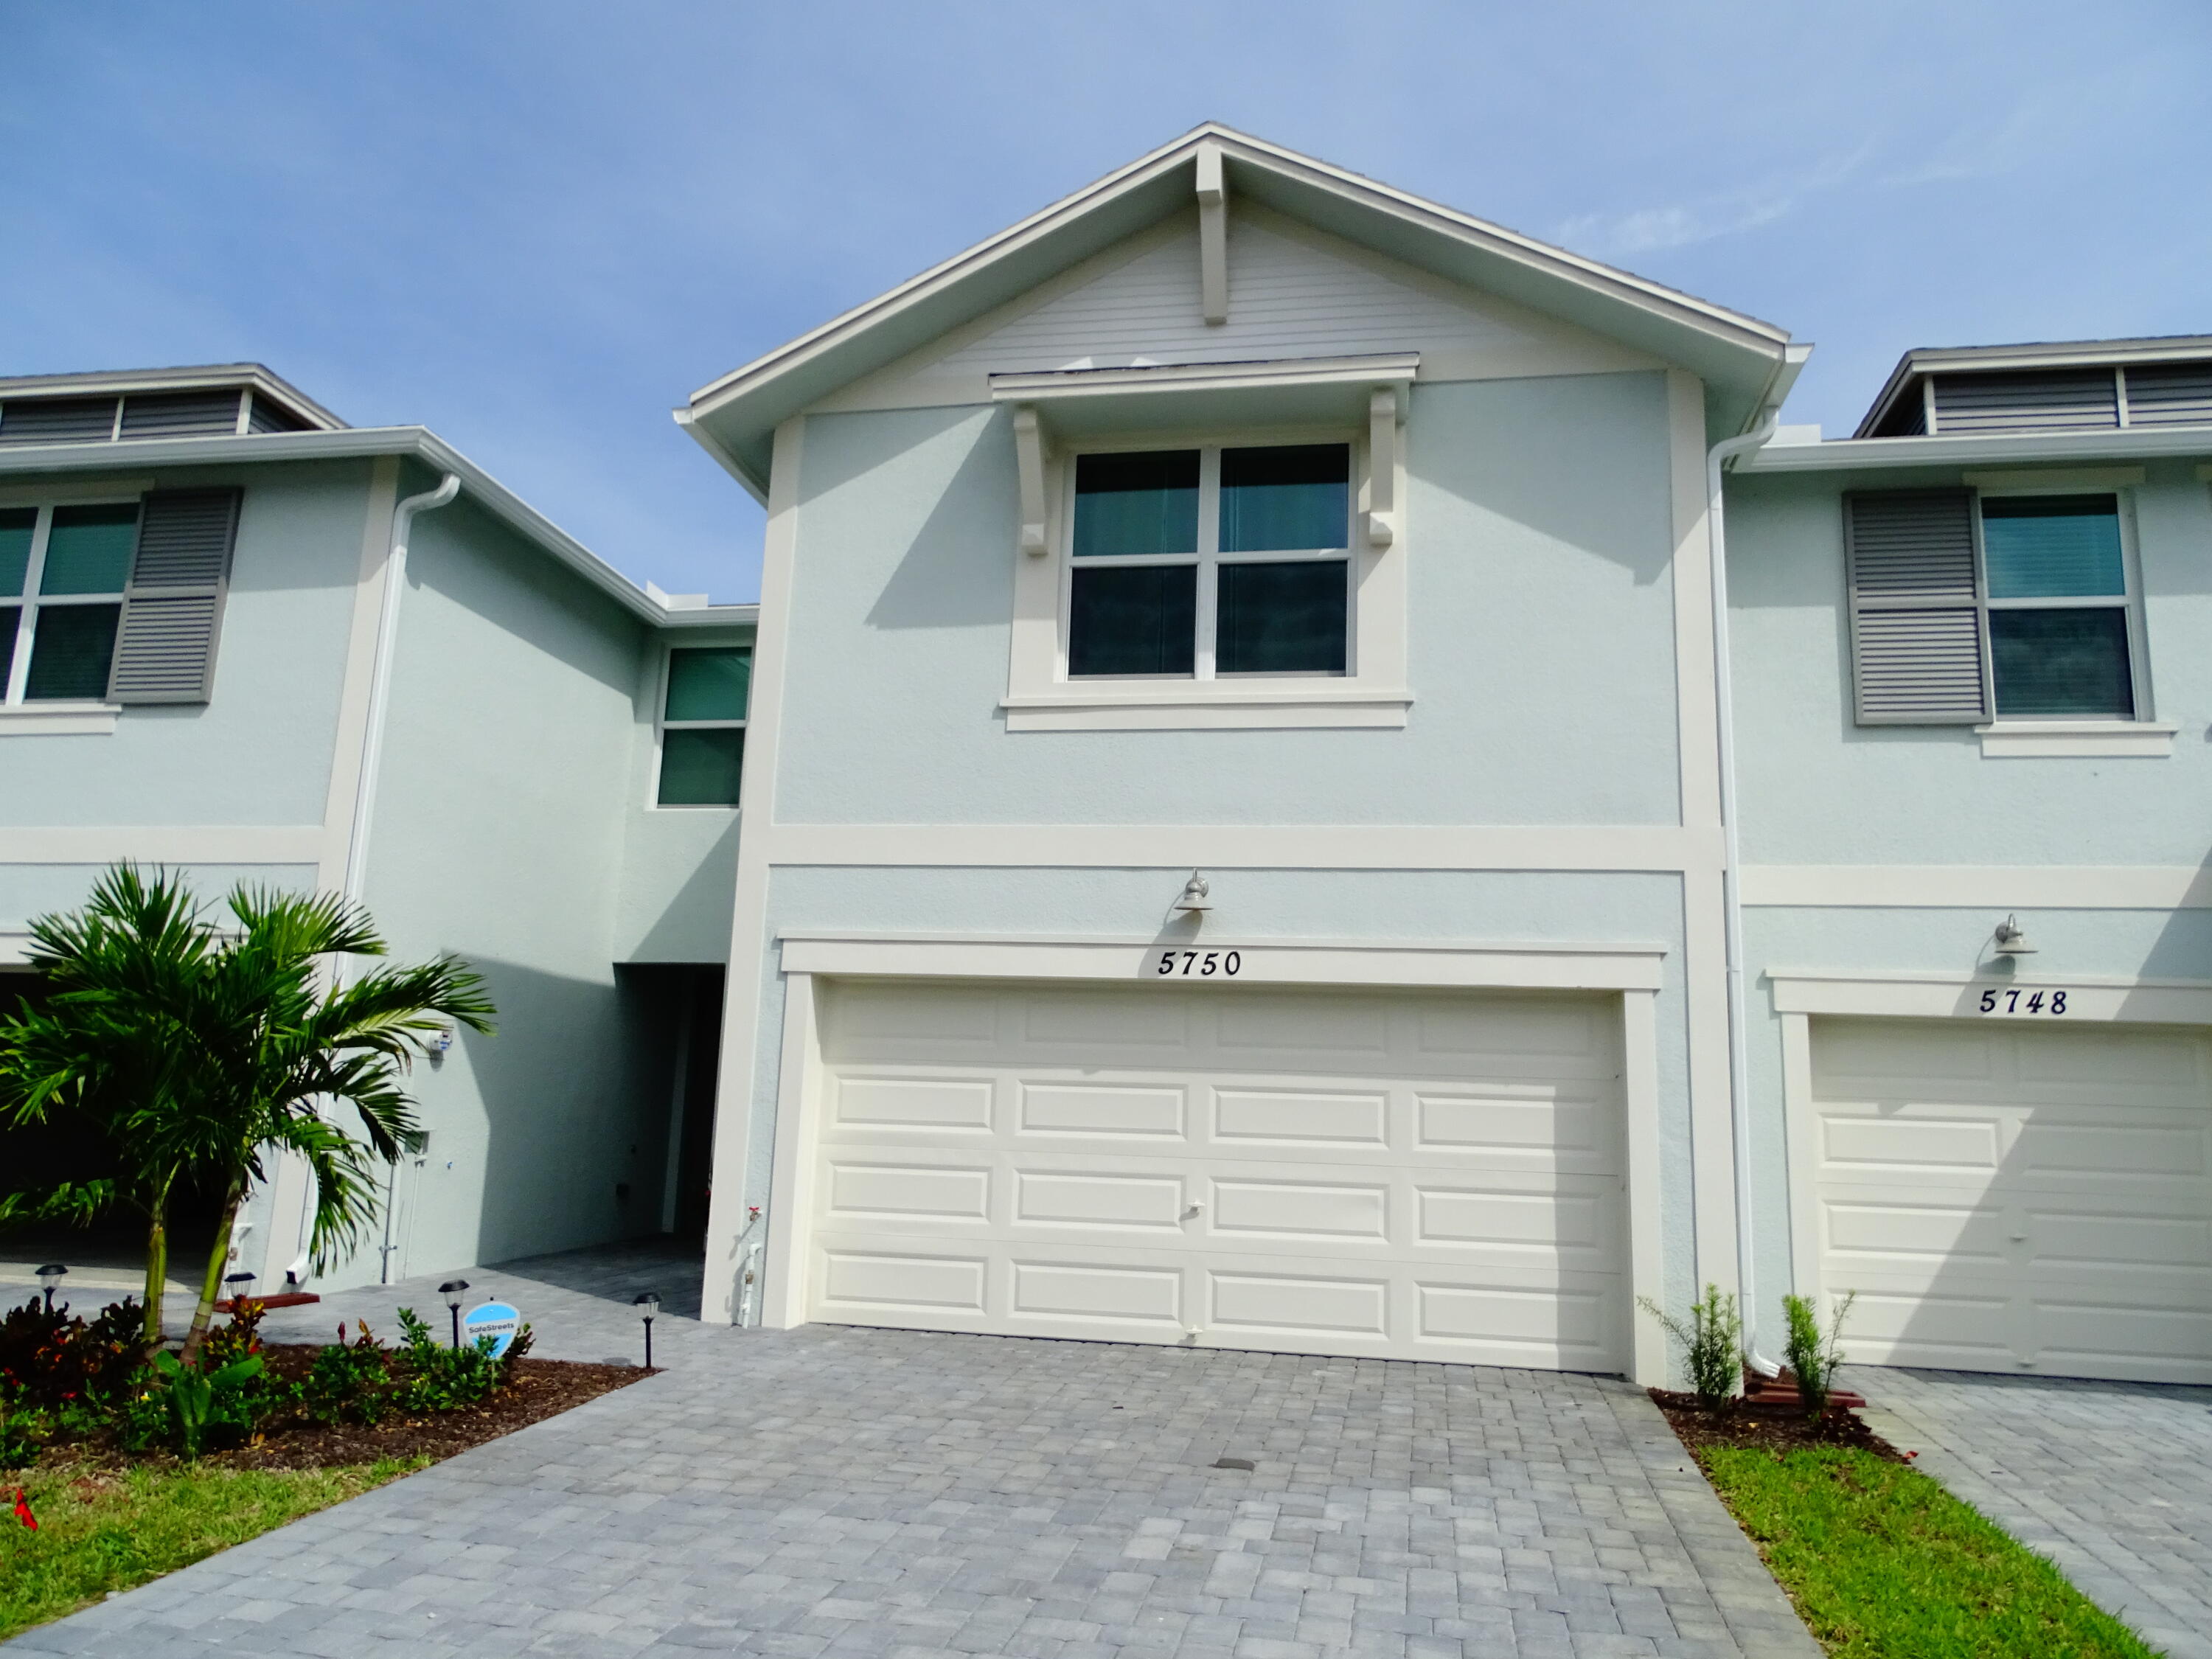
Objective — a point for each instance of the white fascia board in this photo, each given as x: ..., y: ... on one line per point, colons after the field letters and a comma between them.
x: 781, y: 381
x: 1397, y: 368
x: 348, y: 443
x: 1855, y: 454
x: 713, y: 616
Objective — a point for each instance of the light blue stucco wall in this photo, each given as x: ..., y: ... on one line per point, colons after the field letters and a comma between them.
x: 498, y: 835
x: 259, y: 751
x: 1539, y: 538
x: 1817, y: 789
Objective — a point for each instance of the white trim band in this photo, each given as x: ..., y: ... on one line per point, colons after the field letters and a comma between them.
x: 1953, y: 996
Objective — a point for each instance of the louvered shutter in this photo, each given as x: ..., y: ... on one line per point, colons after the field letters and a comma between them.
x: 1915, y: 608
x: 173, y: 610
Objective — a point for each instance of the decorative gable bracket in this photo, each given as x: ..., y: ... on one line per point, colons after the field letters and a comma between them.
x: 1030, y: 453
x: 1383, y: 467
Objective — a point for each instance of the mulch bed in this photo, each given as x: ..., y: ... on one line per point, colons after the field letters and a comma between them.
x: 1766, y: 1431
x: 540, y: 1389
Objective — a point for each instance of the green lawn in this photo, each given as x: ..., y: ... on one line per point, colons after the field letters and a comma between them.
x: 1884, y: 1563
x: 110, y: 1530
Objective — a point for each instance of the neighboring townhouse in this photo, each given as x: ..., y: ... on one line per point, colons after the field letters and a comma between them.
x: 1240, y: 846
x: 250, y: 643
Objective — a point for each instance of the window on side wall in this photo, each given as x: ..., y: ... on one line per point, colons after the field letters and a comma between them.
x: 702, y: 726
x: 63, y: 571
x: 2059, y: 606
x: 1212, y: 562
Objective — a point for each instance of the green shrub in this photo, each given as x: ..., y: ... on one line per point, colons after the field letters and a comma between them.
x: 438, y: 1378
x: 24, y: 1429
x: 349, y: 1381
x: 203, y: 1403
x: 52, y: 1358
x: 1711, y: 1342
x: 1814, y: 1357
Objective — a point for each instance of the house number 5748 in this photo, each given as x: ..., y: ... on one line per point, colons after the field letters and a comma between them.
x: 1202, y: 964
x: 2023, y: 1002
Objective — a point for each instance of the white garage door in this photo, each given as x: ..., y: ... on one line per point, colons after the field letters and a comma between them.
x: 2017, y: 1198
x: 1419, y: 1176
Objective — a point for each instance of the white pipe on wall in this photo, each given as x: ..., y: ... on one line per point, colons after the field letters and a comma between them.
x: 1731, y: 887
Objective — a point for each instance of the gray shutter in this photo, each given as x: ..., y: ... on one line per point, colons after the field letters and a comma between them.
x: 1915, y: 608
x: 181, y: 413
x: 173, y: 610
x: 2170, y: 394
x: 2055, y: 400
x: 57, y: 420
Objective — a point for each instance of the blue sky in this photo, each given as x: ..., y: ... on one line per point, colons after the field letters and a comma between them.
x: 537, y: 227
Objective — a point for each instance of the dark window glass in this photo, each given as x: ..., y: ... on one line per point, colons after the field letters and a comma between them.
x: 2052, y: 547
x: 89, y: 549
x: 1286, y: 499
x: 2061, y: 662
x: 1281, y: 618
x: 701, y: 766
x: 1133, y: 619
x: 1141, y: 503
x: 71, y: 647
x: 15, y: 528
x: 708, y: 685
x: 10, y: 617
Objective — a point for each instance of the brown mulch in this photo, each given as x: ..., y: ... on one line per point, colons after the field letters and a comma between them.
x: 1768, y: 1430
x: 539, y: 1389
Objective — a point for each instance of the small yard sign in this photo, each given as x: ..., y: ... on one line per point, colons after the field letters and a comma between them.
x: 496, y: 1320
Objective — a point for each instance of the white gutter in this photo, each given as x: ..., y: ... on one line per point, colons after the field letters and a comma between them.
x: 1731, y: 881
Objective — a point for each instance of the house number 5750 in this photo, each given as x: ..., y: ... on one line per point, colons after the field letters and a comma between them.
x: 2023, y: 1002
x: 1204, y: 965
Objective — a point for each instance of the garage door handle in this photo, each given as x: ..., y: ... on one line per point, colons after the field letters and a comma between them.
x: 1192, y: 1211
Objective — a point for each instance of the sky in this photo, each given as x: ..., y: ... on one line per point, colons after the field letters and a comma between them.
x: 536, y: 226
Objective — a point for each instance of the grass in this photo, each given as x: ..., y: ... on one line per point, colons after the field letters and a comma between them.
x: 108, y: 1530
x: 1884, y: 1563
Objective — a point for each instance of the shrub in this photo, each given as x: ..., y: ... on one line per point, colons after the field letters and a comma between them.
x: 204, y: 1402
x: 54, y: 1360
x: 23, y: 1430
x: 349, y: 1381
x: 1711, y: 1342
x: 518, y: 1350
x: 1814, y: 1358
x: 438, y: 1378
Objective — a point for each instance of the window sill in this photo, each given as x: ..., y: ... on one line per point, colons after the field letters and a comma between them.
x: 1183, y: 707
x: 57, y: 720
x: 2137, y: 739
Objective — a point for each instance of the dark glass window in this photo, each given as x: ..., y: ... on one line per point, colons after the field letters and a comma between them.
x: 2046, y: 547
x: 1136, y: 504
x: 701, y: 765
x: 1281, y: 618
x: 1286, y: 499
x: 1133, y: 619
x: 2061, y: 661
x: 71, y: 651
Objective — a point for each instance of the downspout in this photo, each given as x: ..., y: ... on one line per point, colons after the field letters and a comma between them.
x: 1717, y: 458
x: 371, y: 755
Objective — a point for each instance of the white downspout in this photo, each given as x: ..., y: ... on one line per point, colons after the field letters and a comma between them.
x: 1731, y: 895
x: 371, y: 755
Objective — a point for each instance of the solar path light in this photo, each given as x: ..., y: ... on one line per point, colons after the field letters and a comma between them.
x: 50, y: 1279
x: 451, y: 1289
x: 648, y: 1303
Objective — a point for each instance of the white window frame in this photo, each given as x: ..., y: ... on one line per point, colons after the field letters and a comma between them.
x: 31, y: 602
x: 662, y: 725
x: 1042, y: 696
x: 2129, y: 602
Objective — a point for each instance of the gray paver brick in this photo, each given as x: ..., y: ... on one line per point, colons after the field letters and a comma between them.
x: 839, y: 1493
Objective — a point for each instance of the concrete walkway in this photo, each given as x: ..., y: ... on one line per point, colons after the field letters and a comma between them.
x: 2111, y: 1480
x: 850, y: 1492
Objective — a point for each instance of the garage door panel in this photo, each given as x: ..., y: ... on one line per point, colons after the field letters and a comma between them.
x: 1315, y: 1211
x: 1301, y: 1117
x: 1569, y: 1328
x: 1099, y: 1292
x: 906, y: 1190
x: 1550, y: 1129
x: 912, y: 1102
x: 2039, y: 1206
x: 1286, y: 1304
x: 1149, y: 1111
x: 1149, y: 1202
x: 1256, y: 1031
x: 1122, y: 1024
x: 903, y: 1279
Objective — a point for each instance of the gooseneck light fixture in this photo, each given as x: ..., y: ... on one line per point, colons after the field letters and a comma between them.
x: 2010, y: 940
x: 451, y: 1289
x: 648, y: 1303
x: 1197, y: 896
x: 50, y: 1279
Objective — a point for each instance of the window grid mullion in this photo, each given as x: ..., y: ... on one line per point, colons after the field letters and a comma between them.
x: 1209, y: 557
x: 19, y: 674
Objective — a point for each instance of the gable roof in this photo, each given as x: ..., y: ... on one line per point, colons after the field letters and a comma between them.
x: 1745, y: 363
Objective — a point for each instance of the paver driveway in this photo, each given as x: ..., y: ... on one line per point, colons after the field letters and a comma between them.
x: 841, y: 1491
x: 2112, y: 1480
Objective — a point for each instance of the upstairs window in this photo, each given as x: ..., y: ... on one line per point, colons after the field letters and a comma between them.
x: 1966, y: 608
x: 1210, y: 563
x: 702, y: 726
x: 63, y: 571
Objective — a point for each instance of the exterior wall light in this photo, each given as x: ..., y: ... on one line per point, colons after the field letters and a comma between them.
x: 2010, y: 940
x: 648, y: 1303
x: 1196, y: 892
x: 50, y: 1279
x: 451, y: 1289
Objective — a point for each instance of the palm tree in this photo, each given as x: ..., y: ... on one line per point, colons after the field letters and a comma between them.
x: 199, y: 1047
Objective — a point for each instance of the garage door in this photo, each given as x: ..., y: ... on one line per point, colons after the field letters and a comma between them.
x: 2015, y: 1198
x: 1434, y: 1178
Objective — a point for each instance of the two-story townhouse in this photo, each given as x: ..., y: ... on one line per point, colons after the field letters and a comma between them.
x: 1974, y: 703
x: 1234, y: 850
x: 246, y: 642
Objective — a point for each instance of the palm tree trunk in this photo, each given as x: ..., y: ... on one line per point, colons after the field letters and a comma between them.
x: 157, y: 1261
x: 211, y: 1281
